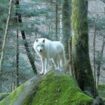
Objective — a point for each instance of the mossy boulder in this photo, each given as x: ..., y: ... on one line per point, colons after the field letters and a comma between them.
x: 23, y: 94
x: 55, y: 88
x: 3, y: 95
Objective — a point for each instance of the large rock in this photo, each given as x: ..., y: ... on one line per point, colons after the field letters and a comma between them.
x: 55, y: 88
x: 3, y: 95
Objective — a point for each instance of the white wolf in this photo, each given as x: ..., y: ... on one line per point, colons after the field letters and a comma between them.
x: 47, y: 50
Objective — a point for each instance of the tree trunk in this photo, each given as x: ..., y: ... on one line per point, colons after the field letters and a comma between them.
x: 80, y: 52
x: 66, y: 12
x: 17, y: 59
x: 25, y: 41
x: 94, y: 51
x: 100, y: 61
x: 56, y: 22
x: 5, y: 34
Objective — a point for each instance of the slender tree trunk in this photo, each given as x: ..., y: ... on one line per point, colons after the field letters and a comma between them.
x: 94, y: 50
x: 5, y: 34
x: 66, y: 12
x: 80, y: 52
x: 17, y: 59
x: 25, y: 41
x: 56, y: 22
x: 101, y: 56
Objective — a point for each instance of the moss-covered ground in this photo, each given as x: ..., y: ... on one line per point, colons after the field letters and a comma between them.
x: 59, y: 89
x: 55, y: 88
x: 10, y: 99
x: 3, y: 95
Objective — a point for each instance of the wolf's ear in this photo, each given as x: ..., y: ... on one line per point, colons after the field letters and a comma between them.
x: 43, y: 40
x: 36, y: 40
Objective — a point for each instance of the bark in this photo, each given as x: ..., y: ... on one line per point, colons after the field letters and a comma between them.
x: 5, y: 34
x: 17, y: 59
x: 94, y: 50
x: 66, y: 12
x: 25, y: 41
x: 80, y: 52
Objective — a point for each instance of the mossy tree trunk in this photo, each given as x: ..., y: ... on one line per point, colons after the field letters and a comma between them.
x: 66, y: 14
x: 80, y: 51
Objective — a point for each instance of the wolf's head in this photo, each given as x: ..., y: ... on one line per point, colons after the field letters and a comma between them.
x: 39, y: 45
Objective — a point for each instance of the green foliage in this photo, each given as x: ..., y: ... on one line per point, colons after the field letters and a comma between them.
x: 59, y: 89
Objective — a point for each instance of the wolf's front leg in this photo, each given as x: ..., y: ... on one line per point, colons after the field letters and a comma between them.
x: 46, y: 66
x: 43, y: 66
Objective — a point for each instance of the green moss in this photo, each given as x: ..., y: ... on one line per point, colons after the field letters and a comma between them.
x: 10, y: 100
x: 59, y: 90
x: 27, y: 100
x: 55, y: 88
x: 3, y: 95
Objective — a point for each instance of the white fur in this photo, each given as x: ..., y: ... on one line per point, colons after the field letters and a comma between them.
x: 47, y: 49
